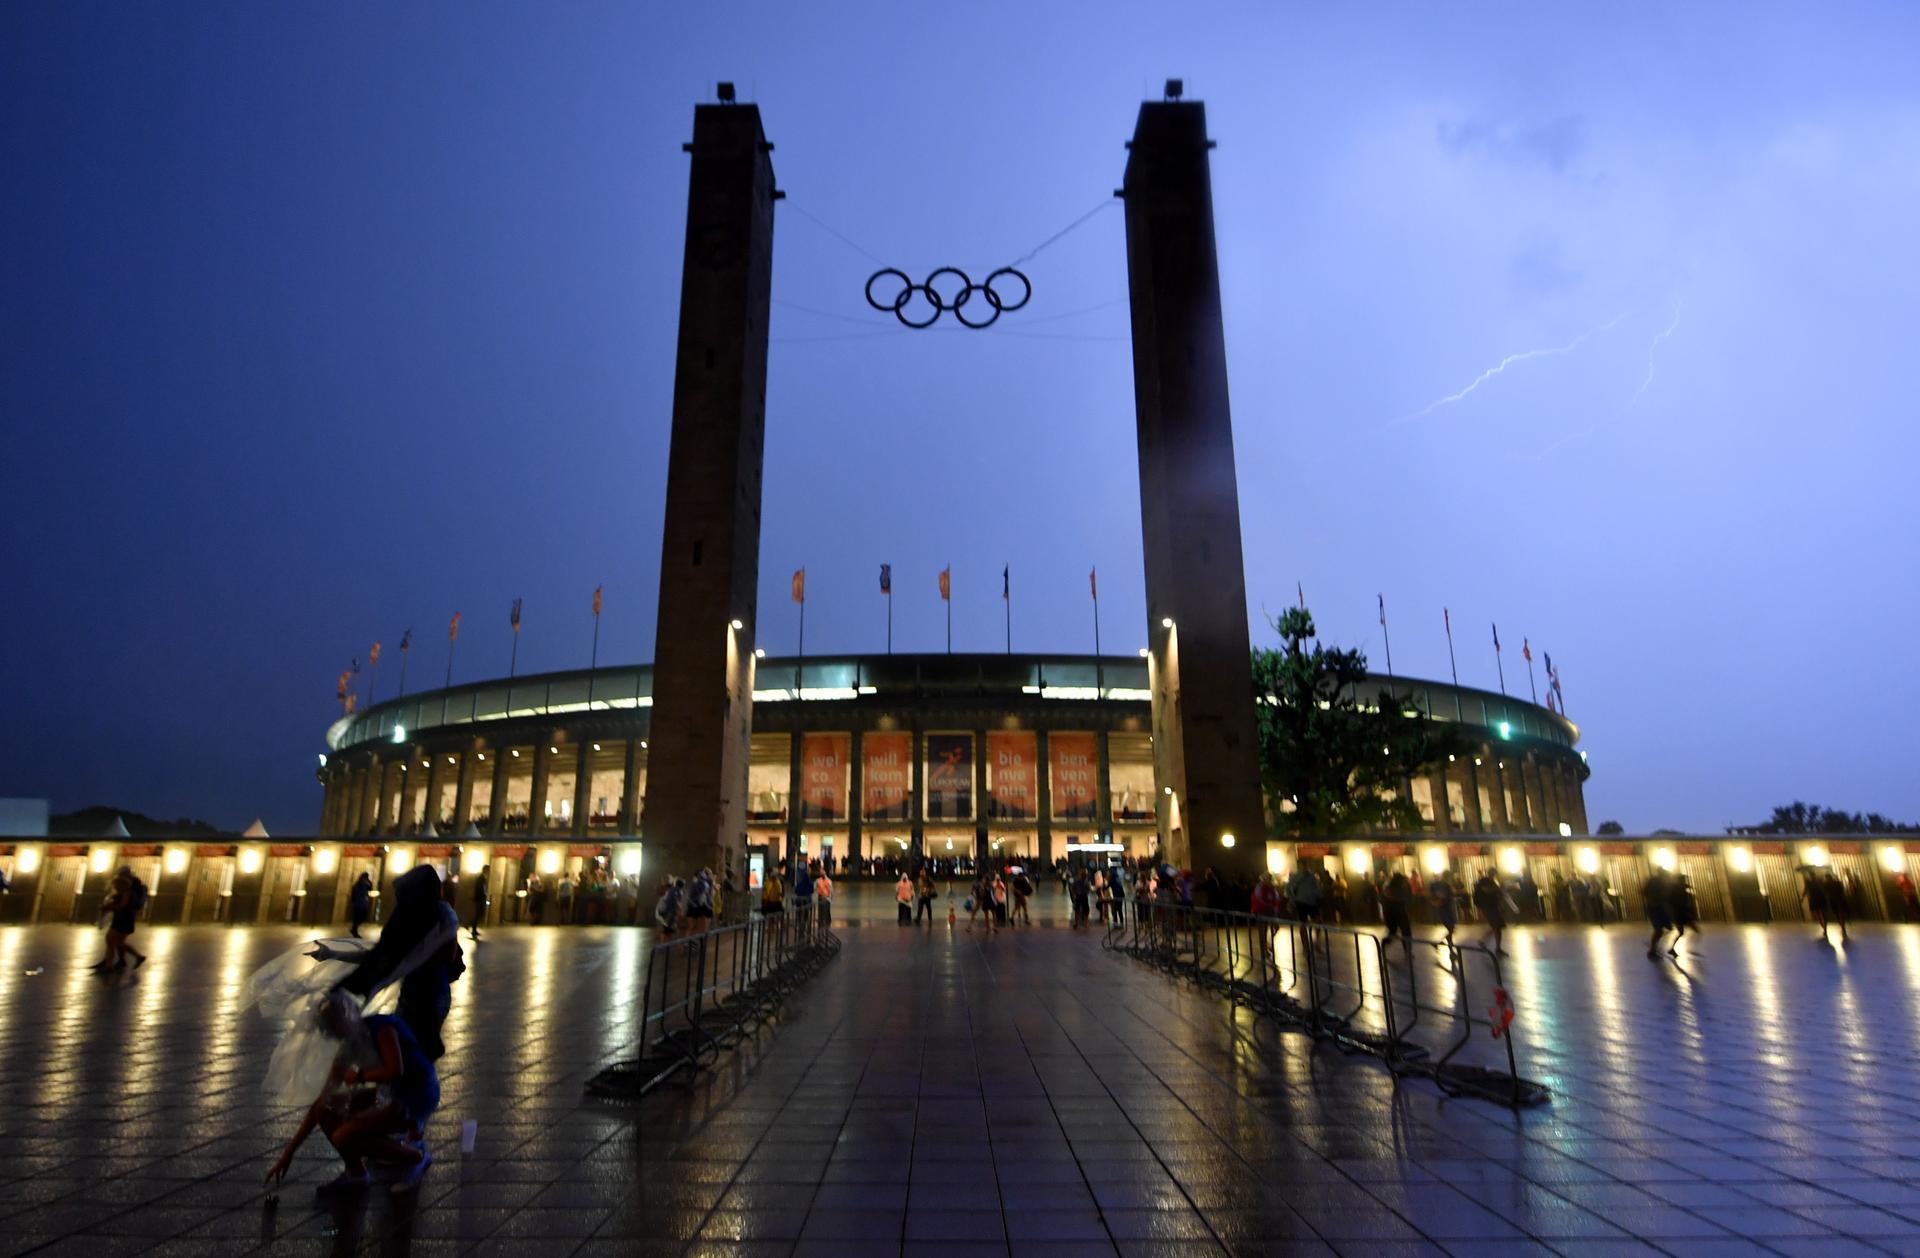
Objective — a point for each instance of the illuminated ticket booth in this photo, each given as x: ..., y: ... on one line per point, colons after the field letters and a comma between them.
x: 1899, y: 878
x: 145, y: 862
x: 1705, y: 873
x: 396, y: 860
x: 440, y: 856
x: 21, y: 863
x: 1613, y: 874
x: 353, y: 860
x: 63, y: 877
x: 284, y: 889
x: 1746, y: 889
x: 210, y: 882
x: 510, y: 866
x: 596, y: 893
x: 1849, y: 861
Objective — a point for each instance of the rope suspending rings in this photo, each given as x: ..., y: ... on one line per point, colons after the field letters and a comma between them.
x: 921, y: 305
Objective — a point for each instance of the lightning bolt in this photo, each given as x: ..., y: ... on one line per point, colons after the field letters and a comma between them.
x: 1664, y: 334
x: 1501, y: 366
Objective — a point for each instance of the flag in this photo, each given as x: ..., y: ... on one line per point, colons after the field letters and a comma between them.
x: 353, y: 702
x: 513, y: 617
x: 1496, y: 639
x: 799, y: 585
x: 1448, y: 617
x: 886, y: 579
x: 453, y: 628
x: 1006, y: 584
x: 356, y: 666
x: 946, y: 582
x: 1093, y: 583
x: 406, y: 642
x: 596, y: 600
x: 340, y: 690
x: 373, y: 656
x: 1526, y: 650
x: 1383, y: 610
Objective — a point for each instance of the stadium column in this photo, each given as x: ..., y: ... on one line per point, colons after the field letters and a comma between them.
x: 365, y: 792
x: 1576, y: 800
x: 383, y: 805
x: 430, y: 801
x: 1189, y: 506
x: 796, y: 793
x: 981, y: 847
x: 854, y: 782
x: 1438, y: 786
x: 463, y: 787
x: 1469, y: 779
x: 629, y: 781
x: 1044, y: 798
x: 702, y: 714
x: 1103, y: 790
x: 916, y: 819
x: 582, y: 789
x: 1501, y: 820
x: 537, y: 797
x: 497, y: 793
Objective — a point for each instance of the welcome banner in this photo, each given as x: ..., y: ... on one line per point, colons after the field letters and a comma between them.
x: 949, y: 777
x: 1075, y: 776
x: 823, y: 777
x: 886, y: 776
x: 1013, y: 781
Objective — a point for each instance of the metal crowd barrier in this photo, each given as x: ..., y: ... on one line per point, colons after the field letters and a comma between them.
x: 704, y: 993
x: 1426, y: 1007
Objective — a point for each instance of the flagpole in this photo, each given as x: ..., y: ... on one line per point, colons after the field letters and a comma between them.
x: 1526, y: 649
x: 593, y: 658
x: 1099, y: 678
x: 949, y: 602
x: 404, y: 652
x: 1454, y: 667
x: 800, y: 663
x: 1383, y: 635
x: 1498, y: 662
x: 889, y: 618
x: 1006, y: 596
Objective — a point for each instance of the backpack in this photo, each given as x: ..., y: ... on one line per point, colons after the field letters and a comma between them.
x: 138, y: 896
x: 1023, y: 884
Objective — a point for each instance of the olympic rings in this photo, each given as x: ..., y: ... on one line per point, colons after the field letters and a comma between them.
x: 905, y: 308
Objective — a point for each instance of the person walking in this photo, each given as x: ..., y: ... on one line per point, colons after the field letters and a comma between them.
x: 823, y: 892
x: 1491, y: 900
x: 119, y: 908
x: 1838, y: 907
x: 1816, y: 893
x: 481, y: 899
x: 903, y: 894
x: 773, y: 893
x: 1117, y: 904
x: 1022, y: 892
x: 666, y: 910
x: 360, y: 903
x: 926, y: 893
x: 1656, y: 896
x: 976, y: 901
x: 1303, y: 890
x: 1396, y: 908
x: 563, y: 897
x: 998, y: 890
x: 536, y: 897
x: 700, y: 897
x: 1079, y: 895
x: 1446, y: 914
x: 1683, y: 908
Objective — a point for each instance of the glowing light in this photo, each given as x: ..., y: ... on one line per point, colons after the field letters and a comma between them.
x: 325, y: 859
x: 473, y: 859
x: 1588, y: 859
x: 482, y: 756
x: 1817, y: 857
x: 1741, y: 858
x: 1169, y: 790
x: 399, y: 733
x: 1892, y: 860
x: 1512, y: 859
x: 1359, y: 860
x: 629, y: 860
x: 1435, y: 857
x: 453, y: 760
x: 399, y: 859
x: 1166, y: 622
x: 739, y: 624
x: 1663, y: 857
x: 100, y: 860
x: 1276, y: 862
x: 516, y: 753
x: 643, y: 744
x: 1506, y: 729
x: 1226, y: 840
x: 175, y: 860
x: 323, y: 759
x: 1144, y: 653
x: 28, y: 860
x: 596, y: 746
x: 1566, y: 831
x: 1476, y: 762
x: 554, y: 751
x: 549, y: 860
x: 759, y: 653
x: 249, y: 860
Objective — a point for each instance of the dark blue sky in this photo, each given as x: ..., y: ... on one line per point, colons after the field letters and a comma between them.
x: 321, y: 321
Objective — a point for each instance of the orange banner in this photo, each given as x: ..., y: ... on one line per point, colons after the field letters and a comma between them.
x: 823, y: 777
x: 1075, y: 775
x: 1013, y: 778
x: 886, y: 776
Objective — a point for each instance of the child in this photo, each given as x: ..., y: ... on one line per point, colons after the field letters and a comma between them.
x: 362, y: 1124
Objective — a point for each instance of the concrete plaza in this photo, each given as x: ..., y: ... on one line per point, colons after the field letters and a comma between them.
x: 935, y: 1092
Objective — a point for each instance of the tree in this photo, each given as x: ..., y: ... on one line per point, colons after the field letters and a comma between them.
x: 1800, y: 817
x: 1343, y: 764
x: 1611, y: 827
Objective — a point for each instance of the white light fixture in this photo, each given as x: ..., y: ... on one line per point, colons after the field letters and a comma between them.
x: 1512, y: 859
x: 1450, y: 757
x: 28, y: 860
x: 323, y: 759
x: 324, y: 860
x: 1226, y: 840
x: 759, y: 653
x: 399, y: 860
x: 1166, y: 622
x: 249, y: 860
x: 1588, y: 860
x: 628, y: 862
x: 175, y: 860
x: 1436, y: 859
x: 453, y: 760
x: 1144, y: 653
x: 1892, y: 860
x: 549, y: 860
x: 1476, y: 762
x: 516, y: 753
x: 1359, y: 861
x: 1506, y: 729
x: 738, y: 624
x: 399, y: 733
x: 473, y: 859
x: 1566, y: 831
x: 100, y: 860
x: 1741, y: 858
x: 1663, y: 857
x: 553, y: 751
x: 1169, y: 790
x: 596, y: 746
x: 643, y: 744
x: 1817, y: 857
x: 481, y: 756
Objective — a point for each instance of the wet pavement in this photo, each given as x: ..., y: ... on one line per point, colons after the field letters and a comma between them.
x: 934, y: 1092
